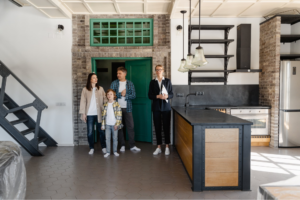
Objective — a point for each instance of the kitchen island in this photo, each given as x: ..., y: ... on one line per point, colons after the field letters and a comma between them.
x: 214, y: 148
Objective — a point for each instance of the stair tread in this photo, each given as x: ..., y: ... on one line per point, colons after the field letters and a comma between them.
x: 27, y: 131
x: 19, y: 121
x: 42, y: 140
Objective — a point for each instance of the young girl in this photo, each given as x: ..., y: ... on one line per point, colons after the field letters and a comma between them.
x: 111, y: 121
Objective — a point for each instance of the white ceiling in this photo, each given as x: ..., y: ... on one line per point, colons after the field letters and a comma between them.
x: 209, y: 8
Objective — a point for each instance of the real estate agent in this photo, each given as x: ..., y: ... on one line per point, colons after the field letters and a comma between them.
x: 160, y: 92
x: 92, y: 100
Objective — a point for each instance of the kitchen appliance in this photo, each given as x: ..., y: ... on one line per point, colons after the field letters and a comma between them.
x: 243, y: 50
x: 259, y: 117
x: 289, y: 112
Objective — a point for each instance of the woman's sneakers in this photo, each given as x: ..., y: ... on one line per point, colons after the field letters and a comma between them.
x: 167, y: 151
x: 91, y: 151
x: 157, y: 151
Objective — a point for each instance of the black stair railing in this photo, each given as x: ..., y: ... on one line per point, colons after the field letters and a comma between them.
x: 39, y: 134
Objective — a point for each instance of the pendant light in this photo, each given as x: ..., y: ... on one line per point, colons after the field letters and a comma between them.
x: 190, y: 57
x: 199, y: 59
x: 183, y: 61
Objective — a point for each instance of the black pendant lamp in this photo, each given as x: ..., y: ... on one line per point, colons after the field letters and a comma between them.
x: 183, y: 61
x: 199, y: 59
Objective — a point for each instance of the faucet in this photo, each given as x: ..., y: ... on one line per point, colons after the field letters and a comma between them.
x: 186, y: 98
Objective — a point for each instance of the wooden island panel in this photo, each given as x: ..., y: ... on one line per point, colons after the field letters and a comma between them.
x: 184, y: 142
x: 221, y: 157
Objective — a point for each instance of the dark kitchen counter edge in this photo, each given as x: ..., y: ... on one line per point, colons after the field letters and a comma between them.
x: 212, y: 117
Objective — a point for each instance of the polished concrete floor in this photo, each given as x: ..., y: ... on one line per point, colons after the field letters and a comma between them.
x: 70, y: 173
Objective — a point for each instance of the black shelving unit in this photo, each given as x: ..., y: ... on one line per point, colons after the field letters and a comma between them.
x: 225, y: 41
x: 286, y: 19
x: 289, y: 56
x: 289, y: 38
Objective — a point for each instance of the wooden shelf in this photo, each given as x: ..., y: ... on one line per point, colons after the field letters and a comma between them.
x: 211, y: 41
x: 212, y: 27
x: 289, y: 38
x: 289, y: 56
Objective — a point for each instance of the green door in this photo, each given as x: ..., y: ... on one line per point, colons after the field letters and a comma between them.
x: 139, y: 72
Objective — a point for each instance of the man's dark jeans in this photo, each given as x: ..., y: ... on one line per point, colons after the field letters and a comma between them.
x: 90, y: 127
x: 127, y: 121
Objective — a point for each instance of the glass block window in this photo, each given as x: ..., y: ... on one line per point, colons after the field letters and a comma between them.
x: 121, y: 32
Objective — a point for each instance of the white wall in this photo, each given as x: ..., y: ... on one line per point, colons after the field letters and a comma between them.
x: 41, y: 58
x: 295, y: 47
x: 179, y: 78
x: 285, y: 29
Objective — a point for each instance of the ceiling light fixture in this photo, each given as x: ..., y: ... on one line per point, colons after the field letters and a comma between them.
x: 199, y: 59
x: 189, y: 58
x: 183, y: 61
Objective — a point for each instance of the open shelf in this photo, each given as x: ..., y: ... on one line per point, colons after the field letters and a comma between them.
x: 212, y: 27
x: 289, y: 56
x: 208, y: 79
x: 201, y: 71
x: 211, y: 41
x: 219, y: 56
x: 247, y: 70
x: 289, y: 38
x: 286, y: 19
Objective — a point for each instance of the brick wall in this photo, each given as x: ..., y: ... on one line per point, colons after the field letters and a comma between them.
x: 82, y: 53
x: 269, y: 61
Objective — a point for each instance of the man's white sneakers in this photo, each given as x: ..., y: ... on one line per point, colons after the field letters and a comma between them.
x: 135, y: 149
x: 167, y: 151
x: 106, y: 155
x: 104, y: 150
x: 157, y: 151
x: 116, y: 154
x: 122, y: 149
x: 91, y: 151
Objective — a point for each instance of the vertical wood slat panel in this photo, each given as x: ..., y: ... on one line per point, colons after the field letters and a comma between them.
x: 221, y: 157
x: 183, y: 142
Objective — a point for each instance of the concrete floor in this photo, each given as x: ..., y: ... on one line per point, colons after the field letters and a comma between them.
x: 70, y: 173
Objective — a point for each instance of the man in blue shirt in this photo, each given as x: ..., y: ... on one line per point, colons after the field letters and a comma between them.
x: 125, y: 94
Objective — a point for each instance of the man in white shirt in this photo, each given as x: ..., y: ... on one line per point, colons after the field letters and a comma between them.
x: 125, y: 94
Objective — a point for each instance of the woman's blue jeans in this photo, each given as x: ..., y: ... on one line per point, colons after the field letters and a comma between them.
x: 91, y: 120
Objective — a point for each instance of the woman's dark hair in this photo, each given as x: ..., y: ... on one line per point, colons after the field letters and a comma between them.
x: 88, y: 83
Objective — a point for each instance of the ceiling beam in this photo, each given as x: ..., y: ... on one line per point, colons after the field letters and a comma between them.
x: 87, y: 7
x: 220, y: 6
x: 196, y: 8
x: 116, y: 5
x: 62, y: 8
x: 173, y: 8
x: 145, y: 6
x: 284, y: 5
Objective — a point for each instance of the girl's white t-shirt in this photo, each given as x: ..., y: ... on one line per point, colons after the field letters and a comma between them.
x: 110, y: 117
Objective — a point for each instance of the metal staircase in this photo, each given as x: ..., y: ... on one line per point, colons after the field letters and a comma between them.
x: 7, y: 105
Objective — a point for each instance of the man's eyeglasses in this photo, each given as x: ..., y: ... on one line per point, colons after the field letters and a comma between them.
x: 158, y: 70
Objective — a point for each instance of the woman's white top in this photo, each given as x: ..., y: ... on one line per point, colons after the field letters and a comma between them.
x: 93, y: 106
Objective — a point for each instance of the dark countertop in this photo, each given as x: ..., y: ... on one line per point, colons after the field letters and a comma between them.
x: 198, y: 115
x: 238, y: 107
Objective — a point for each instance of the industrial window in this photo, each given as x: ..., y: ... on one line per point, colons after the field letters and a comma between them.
x: 121, y: 32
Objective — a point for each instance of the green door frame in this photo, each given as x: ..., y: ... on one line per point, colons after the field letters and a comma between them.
x: 94, y: 70
x: 118, y: 58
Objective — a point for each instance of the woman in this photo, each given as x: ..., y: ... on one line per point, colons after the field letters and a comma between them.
x: 160, y: 91
x: 91, y: 105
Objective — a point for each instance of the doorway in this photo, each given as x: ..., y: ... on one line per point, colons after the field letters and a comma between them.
x: 139, y: 71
